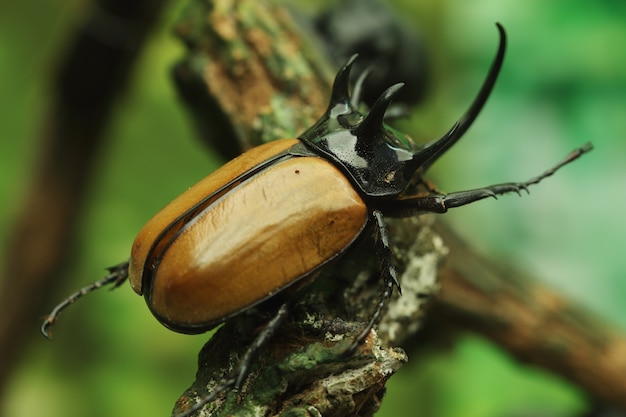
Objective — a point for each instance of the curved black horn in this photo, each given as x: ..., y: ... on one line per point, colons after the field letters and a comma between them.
x: 357, y: 90
x: 435, y: 149
x: 341, y: 86
x: 373, y: 122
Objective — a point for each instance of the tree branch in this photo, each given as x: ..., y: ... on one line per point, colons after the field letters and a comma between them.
x: 531, y: 321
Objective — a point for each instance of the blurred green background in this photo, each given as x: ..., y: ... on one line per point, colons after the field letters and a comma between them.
x: 563, y: 83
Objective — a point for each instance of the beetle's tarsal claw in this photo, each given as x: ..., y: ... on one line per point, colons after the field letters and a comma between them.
x: 373, y: 122
x: 587, y: 147
x: 45, y: 328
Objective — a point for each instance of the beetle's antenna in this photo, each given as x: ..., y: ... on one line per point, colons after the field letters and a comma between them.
x: 117, y: 275
x: 373, y: 122
x: 434, y: 150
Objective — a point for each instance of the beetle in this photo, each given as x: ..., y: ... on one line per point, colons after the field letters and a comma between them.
x: 283, y: 210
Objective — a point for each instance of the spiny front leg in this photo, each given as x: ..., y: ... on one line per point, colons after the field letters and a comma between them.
x: 440, y: 203
x: 388, y: 275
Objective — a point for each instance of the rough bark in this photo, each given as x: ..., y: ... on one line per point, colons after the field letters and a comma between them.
x: 531, y: 321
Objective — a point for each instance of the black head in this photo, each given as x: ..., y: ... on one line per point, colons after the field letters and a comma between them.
x: 382, y: 161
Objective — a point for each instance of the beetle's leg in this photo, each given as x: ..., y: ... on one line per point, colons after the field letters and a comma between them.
x: 241, y: 371
x: 263, y: 337
x: 440, y: 203
x: 388, y: 274
x: 207, y: 399
x: 117, y: 275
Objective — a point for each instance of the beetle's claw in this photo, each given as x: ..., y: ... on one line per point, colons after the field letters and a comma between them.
x: 525, y: 188
x: 45, y: 327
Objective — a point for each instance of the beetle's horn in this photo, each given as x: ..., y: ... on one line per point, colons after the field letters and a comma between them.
x: 340, y: 94
x: 435, y: 149
x: 357, y: 90
x: 373, y: 122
